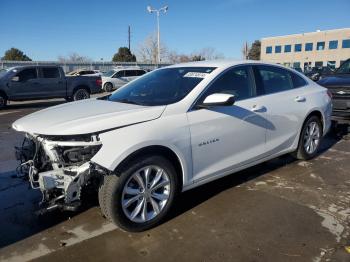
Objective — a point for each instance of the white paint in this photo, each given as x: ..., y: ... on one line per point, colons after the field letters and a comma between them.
x: 80, y: 234
x: 41, y: 250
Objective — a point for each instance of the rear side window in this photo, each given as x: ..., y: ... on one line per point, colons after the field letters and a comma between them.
x: 50, y: 72
x: 140, y: 72
x: 27, y: 74
x: 273, y: 79
x: 298, y: 81
x: 129, y: 73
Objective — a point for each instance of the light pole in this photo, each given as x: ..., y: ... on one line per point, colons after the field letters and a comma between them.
x: 164, y: 9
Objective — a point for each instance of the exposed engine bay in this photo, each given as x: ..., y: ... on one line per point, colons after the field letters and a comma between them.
x: 59, y: 167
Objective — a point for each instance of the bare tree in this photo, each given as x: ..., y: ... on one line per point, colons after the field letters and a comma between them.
x: 148, y: 50
x: 74, y: 58
x: 208, y: 53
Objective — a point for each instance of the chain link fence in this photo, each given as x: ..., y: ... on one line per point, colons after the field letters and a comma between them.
x: 70, y: 66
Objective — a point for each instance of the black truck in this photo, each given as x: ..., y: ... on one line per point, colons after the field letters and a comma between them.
x: 44, y: 82
x: 338, y: 83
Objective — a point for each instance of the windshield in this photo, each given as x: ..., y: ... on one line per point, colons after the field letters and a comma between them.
x: 161, y: 87
x: 109, y: 73
x: 344, y: 68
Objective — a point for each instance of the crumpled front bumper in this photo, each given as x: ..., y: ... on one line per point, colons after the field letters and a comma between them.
x: 59, y: 182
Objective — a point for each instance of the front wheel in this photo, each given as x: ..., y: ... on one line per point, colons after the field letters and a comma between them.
x: 310, y: 139
x: 142, y: 195
x: 108, y: 87
x: 80, y: 94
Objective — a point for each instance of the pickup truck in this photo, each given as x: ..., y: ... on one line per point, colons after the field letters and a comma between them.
x: 338, y: 83
x: 44, y: 82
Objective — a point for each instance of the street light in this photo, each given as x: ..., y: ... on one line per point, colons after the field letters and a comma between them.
x: 164, y: 9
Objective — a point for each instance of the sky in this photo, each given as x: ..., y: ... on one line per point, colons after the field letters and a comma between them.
x: 46, y: 29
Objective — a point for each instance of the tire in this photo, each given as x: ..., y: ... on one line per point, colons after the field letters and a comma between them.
x: 132, y: 217
x: 108, y: 87
x: 80, y: 94
x: 102, y: 195
x: 3, y: 101
x: 306, y: 151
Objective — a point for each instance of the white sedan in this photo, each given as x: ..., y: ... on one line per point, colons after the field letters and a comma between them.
x: 171, y: 130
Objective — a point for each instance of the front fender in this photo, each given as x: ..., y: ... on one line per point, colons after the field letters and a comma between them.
x: 170, y: 132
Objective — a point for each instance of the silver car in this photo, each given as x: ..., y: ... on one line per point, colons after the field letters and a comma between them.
x: 119, y: 76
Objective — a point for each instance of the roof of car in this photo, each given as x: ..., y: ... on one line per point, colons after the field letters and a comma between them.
x: 219, y: 63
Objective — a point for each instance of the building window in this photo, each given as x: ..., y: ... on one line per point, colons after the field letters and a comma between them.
x: 287, y: 48
x: 319, y: 64
x: 346, y: 43
x: 296, y: 65
x: 333, y: 44
x: 308, y: 47
x: 268, y: 49
x: 331, y: 64
x: 278, y: 49
x: 320, y: 45
x: 297, y: 48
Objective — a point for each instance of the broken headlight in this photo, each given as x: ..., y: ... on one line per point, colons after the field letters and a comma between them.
x: 77, y: 154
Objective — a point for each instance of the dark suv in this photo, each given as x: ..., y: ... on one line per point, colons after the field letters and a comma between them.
x: 338, y: 84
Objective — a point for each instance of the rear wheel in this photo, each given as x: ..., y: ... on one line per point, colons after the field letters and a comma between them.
x: 3, y: 101
x: 310, y: 139
x: 80, y: 94
x: 142, y: 195
x: 108, y: 87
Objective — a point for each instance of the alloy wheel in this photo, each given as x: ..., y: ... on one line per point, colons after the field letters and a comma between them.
x: 312, y: 137
x: 145, y: 194
x: 81, y: 94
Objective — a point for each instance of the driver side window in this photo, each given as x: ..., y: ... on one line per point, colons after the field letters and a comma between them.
x: 27, y: 74
x: 237, y: 81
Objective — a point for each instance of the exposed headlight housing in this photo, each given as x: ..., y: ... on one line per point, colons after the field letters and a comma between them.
x: 77, y: 155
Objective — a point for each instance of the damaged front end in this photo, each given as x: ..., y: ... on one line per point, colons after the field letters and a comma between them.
x: 60, y: 167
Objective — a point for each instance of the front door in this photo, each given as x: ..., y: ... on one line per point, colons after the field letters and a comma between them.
x: 226, y: 137
x: 26, y: 85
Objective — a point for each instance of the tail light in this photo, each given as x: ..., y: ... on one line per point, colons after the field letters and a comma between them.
x: 329, y: 94
x: 99, y: 82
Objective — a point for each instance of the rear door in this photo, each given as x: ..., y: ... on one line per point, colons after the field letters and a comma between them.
x: 52, y: 83
x: 285, y: 100
x: 131, y: 74
x: 27, y: 85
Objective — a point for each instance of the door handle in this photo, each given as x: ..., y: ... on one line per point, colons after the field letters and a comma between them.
x: 257, y: 108
x: 300, y: 99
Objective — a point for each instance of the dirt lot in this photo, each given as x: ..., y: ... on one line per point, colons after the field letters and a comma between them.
x: 282, y: 210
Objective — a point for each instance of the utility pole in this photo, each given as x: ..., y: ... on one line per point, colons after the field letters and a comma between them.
x: 129, y: 37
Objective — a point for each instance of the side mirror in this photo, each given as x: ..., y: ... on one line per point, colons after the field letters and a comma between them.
x: 219, y: 99
x: 15, y: 79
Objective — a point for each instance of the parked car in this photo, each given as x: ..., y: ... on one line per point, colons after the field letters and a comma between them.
x: 338, y: 84
x: 315, y: 73
x: 119, y: 76
x: 42, y: 82
x: 84, y: 72
x: 171, y: 130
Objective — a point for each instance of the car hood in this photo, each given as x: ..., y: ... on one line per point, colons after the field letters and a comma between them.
x: 335, y: 80
x: 85, y: 117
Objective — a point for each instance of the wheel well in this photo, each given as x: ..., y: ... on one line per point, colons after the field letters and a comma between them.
x: 316, y: 113
x: 81, y: 87
x: 156, y: 150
